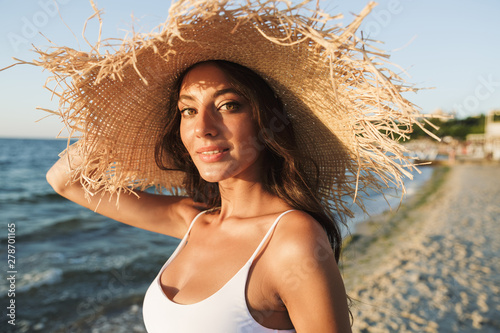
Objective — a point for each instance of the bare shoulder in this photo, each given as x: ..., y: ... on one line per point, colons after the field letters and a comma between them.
x: 299, y: 235
x: 299, y: 247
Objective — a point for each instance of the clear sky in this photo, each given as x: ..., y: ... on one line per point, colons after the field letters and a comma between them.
x: 450, y: 45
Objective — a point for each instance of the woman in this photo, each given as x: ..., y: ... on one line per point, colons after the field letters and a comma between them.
x: 217, y: 127
x: 260, y: 124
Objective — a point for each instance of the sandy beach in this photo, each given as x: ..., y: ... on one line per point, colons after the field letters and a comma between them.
x: 435, y: 267
x: 432, y: 266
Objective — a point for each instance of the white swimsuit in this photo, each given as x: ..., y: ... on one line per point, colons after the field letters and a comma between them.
x: 225, y: 311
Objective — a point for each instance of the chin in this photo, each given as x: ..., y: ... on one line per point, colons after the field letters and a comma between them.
x: 215, y: 176
x: 211, y: 177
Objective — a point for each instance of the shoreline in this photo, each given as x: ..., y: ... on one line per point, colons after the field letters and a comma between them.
x: 384, y: 226
x: 396, y: 206
x: 373, y: 239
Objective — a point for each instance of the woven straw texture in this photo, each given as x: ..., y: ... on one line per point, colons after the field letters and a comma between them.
x: 346, y: 107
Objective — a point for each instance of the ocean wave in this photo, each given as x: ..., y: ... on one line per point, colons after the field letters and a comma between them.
x: 99, y: 266
x: 37, y: 279
x: 89, y: 275
x: 69, y: 225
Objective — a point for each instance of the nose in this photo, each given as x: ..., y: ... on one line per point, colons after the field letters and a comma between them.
x: 206, y: 123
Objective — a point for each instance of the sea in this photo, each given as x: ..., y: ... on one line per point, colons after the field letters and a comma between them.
x: 62, y: 264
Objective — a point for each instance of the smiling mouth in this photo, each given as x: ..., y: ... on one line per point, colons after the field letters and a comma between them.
x: 213, y: 152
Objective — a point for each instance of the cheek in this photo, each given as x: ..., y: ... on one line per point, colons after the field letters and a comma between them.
x: 184, y: 134
x: 250, y: 152
x: 249, y: 141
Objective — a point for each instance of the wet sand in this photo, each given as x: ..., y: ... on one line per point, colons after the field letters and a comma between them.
x: 433, y: 267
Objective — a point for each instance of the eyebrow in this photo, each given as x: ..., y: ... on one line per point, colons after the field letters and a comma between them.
x: 216, y: 94
x: 227, y: 91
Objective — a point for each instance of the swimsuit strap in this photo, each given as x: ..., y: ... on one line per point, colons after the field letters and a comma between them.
x: 269, y: 232
x: 183, y: 241
x: 194, y: 220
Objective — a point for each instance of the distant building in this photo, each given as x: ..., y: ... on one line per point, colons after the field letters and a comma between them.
x: 487, y: 145
x: 492, y: 126
x: 492, y: 135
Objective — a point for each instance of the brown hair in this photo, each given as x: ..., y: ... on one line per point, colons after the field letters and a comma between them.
x: 282, y: 161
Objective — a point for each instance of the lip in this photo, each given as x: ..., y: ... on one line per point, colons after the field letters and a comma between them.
x: 211, y: 153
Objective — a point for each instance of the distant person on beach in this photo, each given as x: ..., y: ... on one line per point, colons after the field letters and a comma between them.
x: 259, y: 123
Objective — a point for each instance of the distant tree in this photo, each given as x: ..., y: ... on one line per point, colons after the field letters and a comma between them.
x: 456, y: 128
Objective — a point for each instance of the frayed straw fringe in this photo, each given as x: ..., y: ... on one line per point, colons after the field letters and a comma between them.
x: 374, y: 115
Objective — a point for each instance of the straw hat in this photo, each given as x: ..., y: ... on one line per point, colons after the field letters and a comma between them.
x: 347, y: 111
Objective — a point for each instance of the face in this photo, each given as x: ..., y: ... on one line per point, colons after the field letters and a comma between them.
x: 217, y: 126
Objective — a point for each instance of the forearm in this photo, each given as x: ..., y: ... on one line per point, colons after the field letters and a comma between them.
x: 168, y: 215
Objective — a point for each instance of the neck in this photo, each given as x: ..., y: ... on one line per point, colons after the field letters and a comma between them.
x: 244, y: 199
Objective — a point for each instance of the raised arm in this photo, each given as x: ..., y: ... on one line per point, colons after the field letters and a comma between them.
x: 169, y: 215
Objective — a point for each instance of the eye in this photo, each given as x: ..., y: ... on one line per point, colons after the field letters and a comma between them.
x: 230, y: 106
x: 187, y: 112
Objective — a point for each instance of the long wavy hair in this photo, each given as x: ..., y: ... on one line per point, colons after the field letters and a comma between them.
x: 283, y: 171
